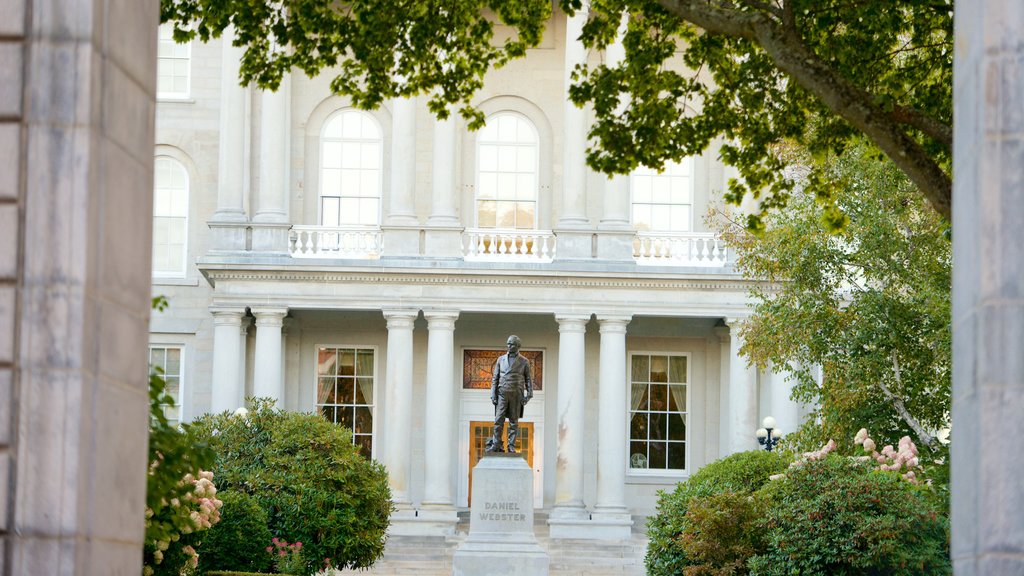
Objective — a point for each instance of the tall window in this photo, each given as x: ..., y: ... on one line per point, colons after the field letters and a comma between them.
x: 172, y: 67
x: 345, y: 391
x: 658, y: 411
x: 507, y: 179
x: 168, y: 359
x: 170, y: 217
x: 350, y: 170
x: 663, y: 202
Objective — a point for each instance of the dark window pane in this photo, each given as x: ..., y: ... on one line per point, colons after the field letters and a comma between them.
x: 328, y: 413
x: 364, y: 390
x: 347, y: 363
x: 659, y: 368
x: 638, y: 427
x: 345, y: 416
x: 365, y: 444
x: 656, y: 455
x: 641, y: 368
x: 639, y: 399
x: 677, y: 369
x: 364, y: 420
x: 659, y: 397
x: 676, y: 427
x: 677, y: 398
x: 638, y: 455
x: 327, y: 362
x: 677, y: 455
x: 346, y: 390
x: 659, y: 426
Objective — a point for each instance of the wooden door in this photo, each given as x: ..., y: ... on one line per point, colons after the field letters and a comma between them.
x: 480, y: 431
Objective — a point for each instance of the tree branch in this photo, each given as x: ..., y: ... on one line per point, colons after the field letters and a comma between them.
x: 897, y: 402
x: 844, y: 98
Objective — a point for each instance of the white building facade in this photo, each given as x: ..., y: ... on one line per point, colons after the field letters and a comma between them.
x: 369, y: 266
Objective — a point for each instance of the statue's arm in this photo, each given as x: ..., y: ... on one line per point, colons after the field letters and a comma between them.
x: 528, y: 377
x: 495, y: 376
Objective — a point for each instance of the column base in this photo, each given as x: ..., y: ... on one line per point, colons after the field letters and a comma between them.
x: 443, y: 242
x: 433, y: 521
x: 615, y: 245
x: 270, y: 237
x: 401, y: 240
x: 228, y: 236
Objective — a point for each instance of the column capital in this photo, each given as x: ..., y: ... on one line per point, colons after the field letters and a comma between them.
x: 734, y: 322
x: 441, y: 319
x: 722, y: 332
x: 400, y: 318
x: 614, y: 323
x: 572, y: 322
x: 227, y: 316
x: 269, y: 316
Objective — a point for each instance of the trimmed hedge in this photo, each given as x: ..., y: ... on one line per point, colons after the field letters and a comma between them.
x: 741, y: 473
x: 231, y: 573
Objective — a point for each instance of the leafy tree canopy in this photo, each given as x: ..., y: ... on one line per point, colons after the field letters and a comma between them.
x: 755, y: 73
x: 870, y: 305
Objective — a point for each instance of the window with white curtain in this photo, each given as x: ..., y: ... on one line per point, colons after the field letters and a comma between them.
x: 345, y: 380
x: 170, y: 218
x: 167, y: 361
x: 351, y: 155
x: 173, y: 65
x: 663, y: 201
x: 658, y: 411
x: 507, y: 179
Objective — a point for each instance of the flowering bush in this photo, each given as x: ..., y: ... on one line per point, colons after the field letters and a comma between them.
x: 236, y: 543
x: 287, y: 557
x: 180, y: 497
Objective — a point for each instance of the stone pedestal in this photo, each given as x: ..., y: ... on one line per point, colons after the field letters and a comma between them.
x: 501, y: 540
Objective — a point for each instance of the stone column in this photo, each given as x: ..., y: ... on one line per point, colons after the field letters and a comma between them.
x: 612, y: 434
x: 441, y: 417
x: 571, y: 399
x: 443, y: 239
x: 743, y: 422
x: 398, y: 403
x: 270, y: 222
x: 722, y: 335
x: 228, y: 389
x: 401, y: 227
x: 785, y: 410
x: 267, y: 381
x: 574, y: 182
x: 228, y: 223
x: 77, y: 87
x: 988, y: 290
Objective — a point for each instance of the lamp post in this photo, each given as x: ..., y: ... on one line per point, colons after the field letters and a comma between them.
x: 768, y: 436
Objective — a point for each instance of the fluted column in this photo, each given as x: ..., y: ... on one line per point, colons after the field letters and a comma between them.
x: 785, y: 410
x: 440, y: 406
x: 398, y: 398
x: 743, y: 422
x: 227, y: 351
x: 570, y: 406
x: 574, y: 194
x: 270, y: 222
x: 267, y: 377
x: 401, y: 203
x: 612, y: 404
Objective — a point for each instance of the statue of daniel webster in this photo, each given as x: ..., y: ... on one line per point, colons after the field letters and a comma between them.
x: 511, y: 389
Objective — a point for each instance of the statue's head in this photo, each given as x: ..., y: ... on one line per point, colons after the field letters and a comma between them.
x: 513, y: 344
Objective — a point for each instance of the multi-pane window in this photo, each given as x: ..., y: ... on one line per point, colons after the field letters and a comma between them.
x: 658, y: 411
x: 663, y: 201
x: 172, y: 67
x: 345, y: 391
x: 350, y: 170
x: 507, y: 176
x: 167, y: 362
x: 170, y: 217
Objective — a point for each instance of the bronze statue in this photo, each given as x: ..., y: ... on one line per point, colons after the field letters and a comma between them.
x: 511, y: 389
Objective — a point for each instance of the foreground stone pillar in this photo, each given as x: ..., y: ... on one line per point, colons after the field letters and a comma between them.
x: 501, y: 539
x: 77, y: 85
x: 228, y: 389
x: 268, y: 378
x: 988, y: 290
x: 569, y: 508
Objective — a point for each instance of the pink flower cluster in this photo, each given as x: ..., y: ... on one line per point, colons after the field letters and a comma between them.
x: 904, y: 456
x: 203, y: 495
x: 288, y: 557
x: 196, y: 510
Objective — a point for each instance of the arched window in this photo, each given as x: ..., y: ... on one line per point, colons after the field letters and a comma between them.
x: 350, y: 170
x: 173, y: 63
x: 506, y: 174
x: 663, y: 201
x: 170, y: 217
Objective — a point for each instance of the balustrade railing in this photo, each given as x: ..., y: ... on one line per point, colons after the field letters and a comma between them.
x: 502, y: 245
x: 335, y: 242
x: 699, y: 249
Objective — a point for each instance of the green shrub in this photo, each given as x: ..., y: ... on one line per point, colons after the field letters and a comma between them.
x: 721, y: 534
x: 740, y: 473
x: 838, y: 516
x: 305, y: 473
x: 240, y: 539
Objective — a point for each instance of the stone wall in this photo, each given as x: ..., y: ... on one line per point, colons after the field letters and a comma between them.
x: 77, y: 84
